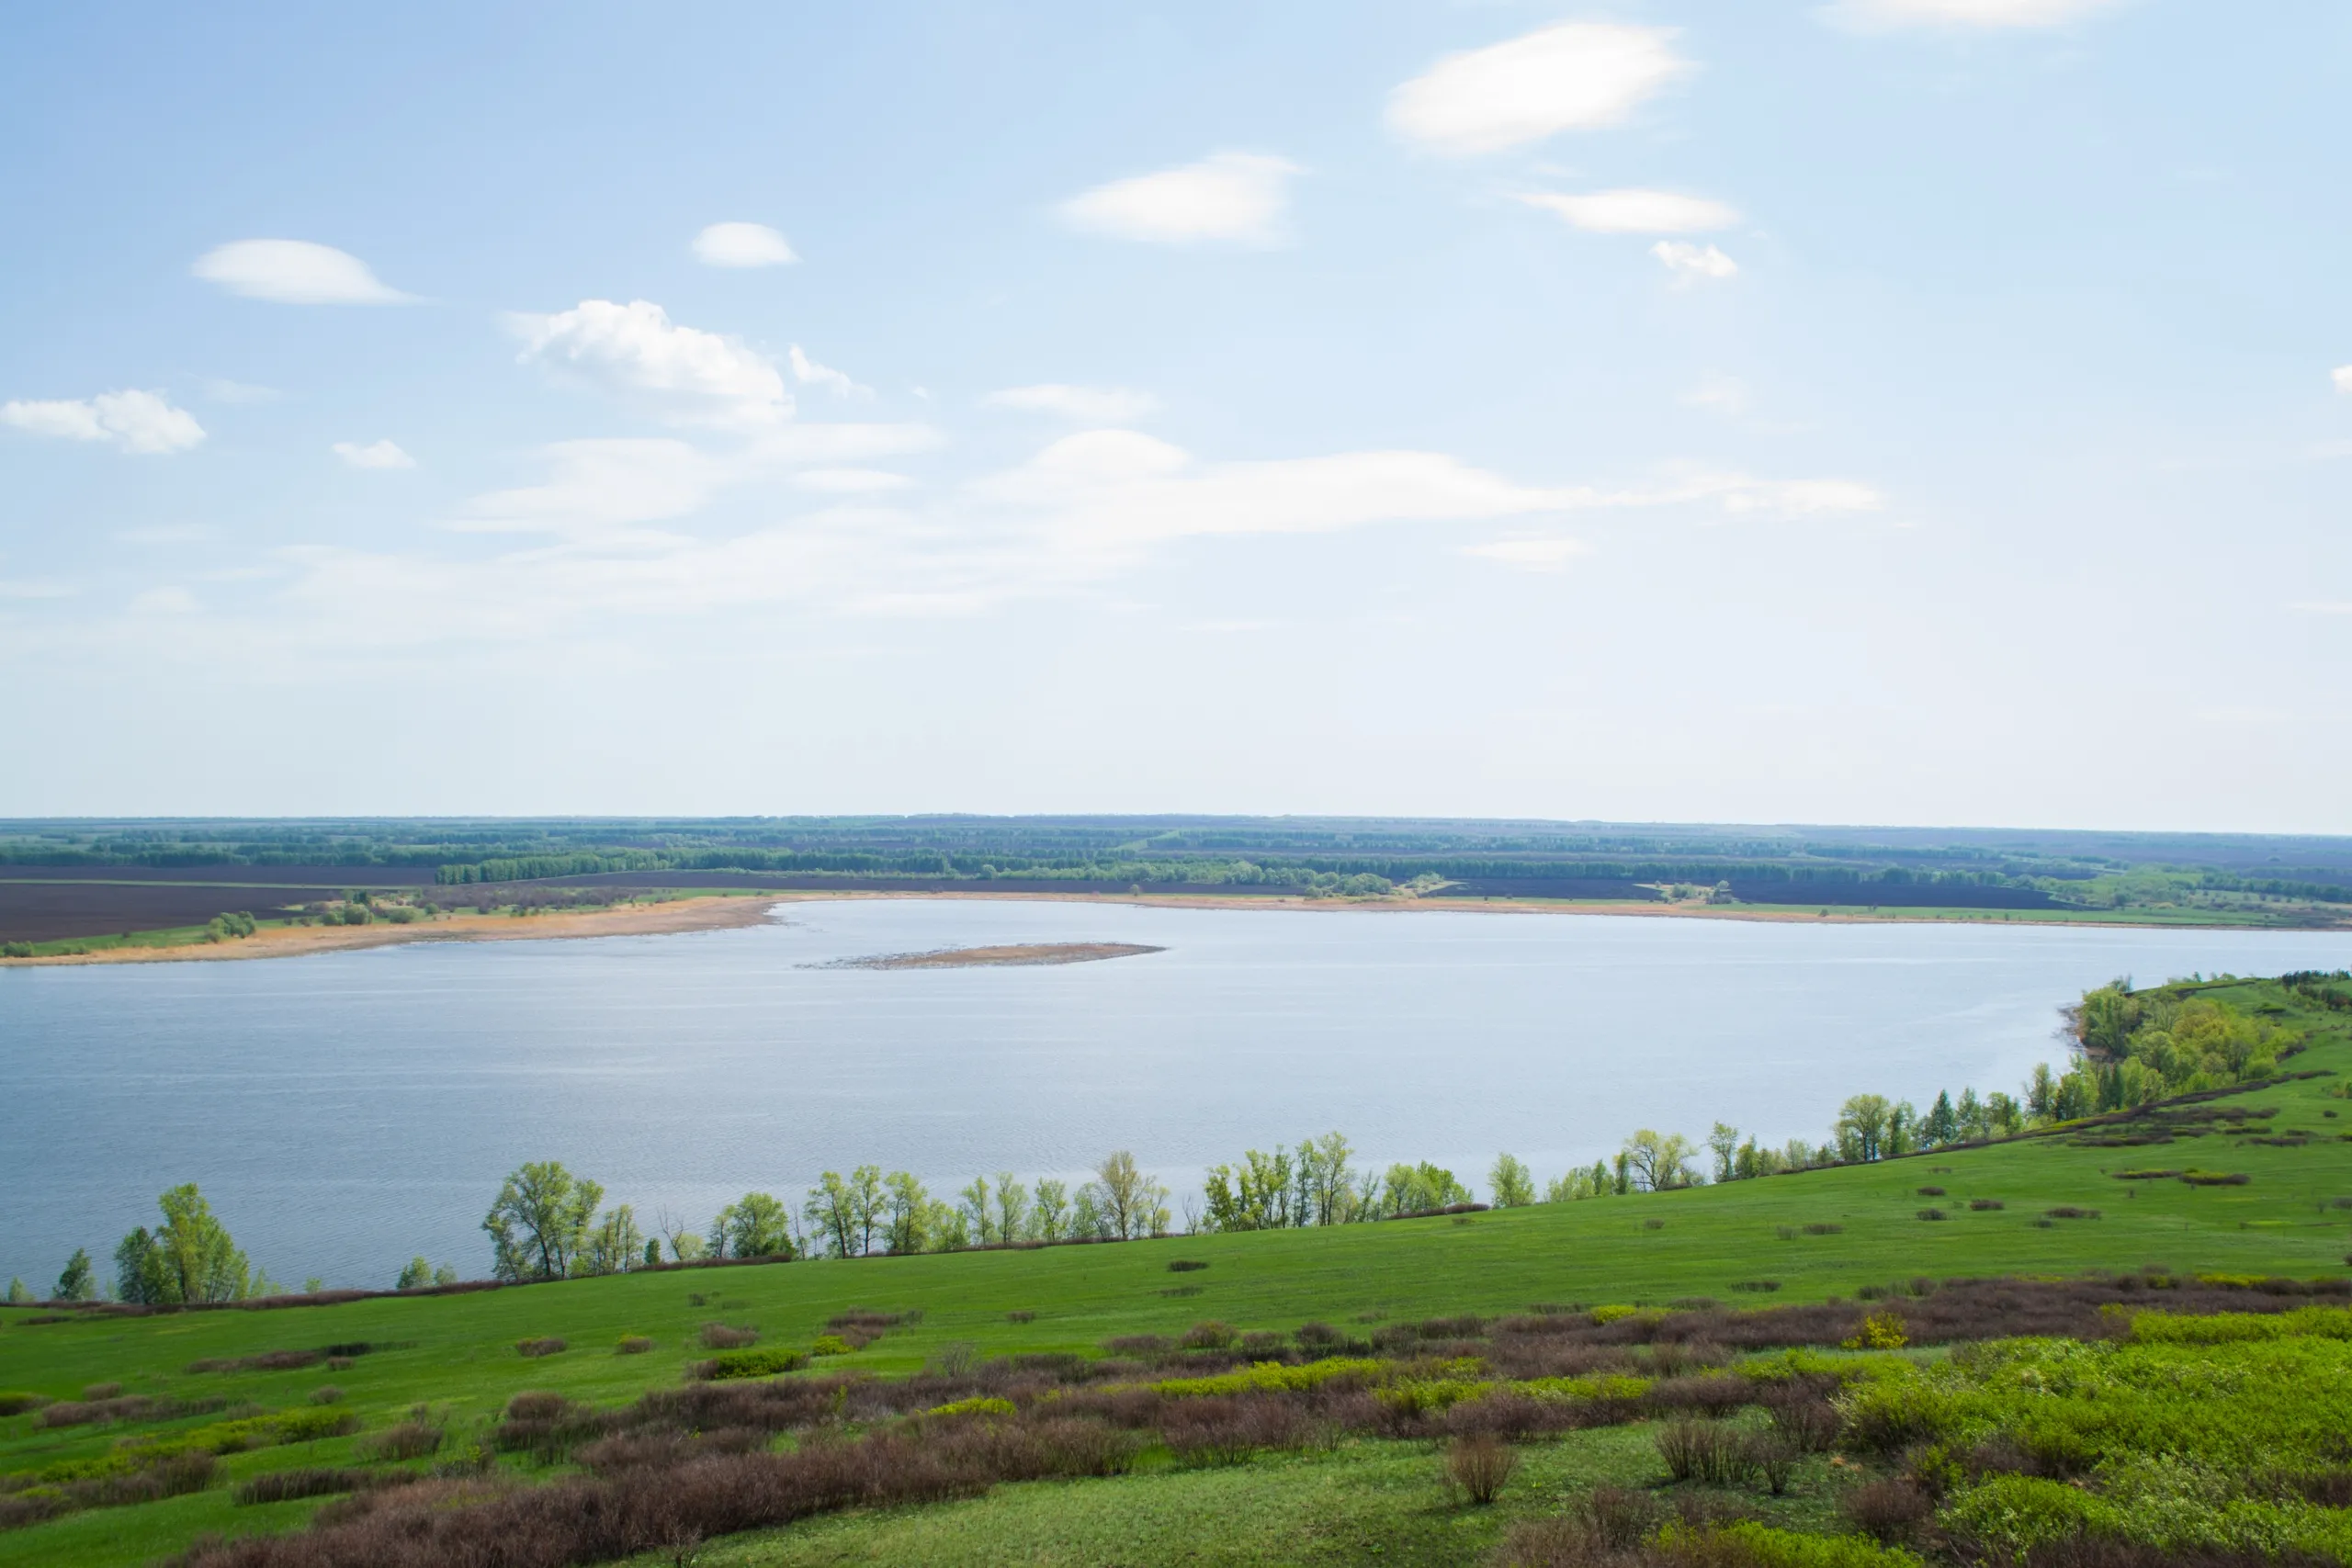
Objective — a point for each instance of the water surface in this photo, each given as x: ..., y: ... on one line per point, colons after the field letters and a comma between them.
x: 347, y: 1111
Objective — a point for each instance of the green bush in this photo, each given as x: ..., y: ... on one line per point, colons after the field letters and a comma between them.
x: 2008, y: 1515
x: 765, y: 1363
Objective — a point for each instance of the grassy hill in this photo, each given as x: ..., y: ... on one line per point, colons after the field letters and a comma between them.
x: 2056, y: 1204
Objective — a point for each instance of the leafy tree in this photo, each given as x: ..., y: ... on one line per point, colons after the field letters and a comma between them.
x: 1942, y: 1123
x: 540, y: 1222
x: 653, y: 1252
x: 979, y: 1214
x: 1723, y: 1139
x: 1659, y: 1161
x: 445, y: 1275
x: 1511, y: 1184
x: 905, y: 1213
x: 865, y: 1198
x: 615, y: 1244
x: 1129, y: 1203
x: 189, y: 1257
x: 831, y: 1211
x: 1011, y: 1207
x: 1052, y: 1209
x: 1622, y: 1180
x: 2041, y: 1092
x: 18, y: 1296
x: 1327, y: 1180
x: 1862, y: 1126
x: 415, y: 1276
x: 80, y: 1280
x: 1418, y: 1188
x: 755, y: 1226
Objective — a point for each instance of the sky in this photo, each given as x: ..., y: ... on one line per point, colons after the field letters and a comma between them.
x: 1929, y: 411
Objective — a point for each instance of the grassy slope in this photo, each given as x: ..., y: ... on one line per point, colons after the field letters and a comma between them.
x: 460, y: 1353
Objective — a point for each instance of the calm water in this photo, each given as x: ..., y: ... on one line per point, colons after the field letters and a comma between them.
x: 346, y: 1111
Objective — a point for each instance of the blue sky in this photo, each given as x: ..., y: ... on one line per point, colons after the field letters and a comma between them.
x: 1890, y: 410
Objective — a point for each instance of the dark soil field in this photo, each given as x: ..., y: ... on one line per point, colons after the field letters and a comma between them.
x: 54, y: 911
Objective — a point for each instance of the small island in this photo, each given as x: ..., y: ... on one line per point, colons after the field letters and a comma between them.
x: 1000, y: 957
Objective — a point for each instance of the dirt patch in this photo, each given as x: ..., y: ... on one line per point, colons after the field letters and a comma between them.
x: 1000, y: 957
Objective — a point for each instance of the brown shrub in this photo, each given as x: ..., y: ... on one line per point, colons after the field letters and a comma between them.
x: 326, y: 1394
x: 1772, y: 1459
x: 1714, y: 1394
x: 413, y: 1438
x: 531, y: 1349
x: 1478, y: 1466
x: 1139, y: 1344
x: 290, y: 1485
x: 1227, y: 1431
x: 102, y: 1390
x: 1889, y: 1510
x: 1704, y: 1450
x: 1802, y: 1416
x: 720, y: 1336
x: 1210, y: 1335
x: 1021, y: 1317
x: 1515, y: 1416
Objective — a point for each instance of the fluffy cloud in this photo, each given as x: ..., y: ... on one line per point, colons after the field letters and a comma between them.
x: 375, y: 454
x: 1571, y: 76
x: 2342, y: 376
x: 742, y: 244
x: 1876, y: 14
x: 1690, y: 263
x: 1236, y: 197
x: 1532, y: 554
x: 809, y: 373
x: 131, y: 419
x: 1084, y: 405
x: 698, y: 376
x: 598, y: 487
x: 1638, y: 211
x: 295, y: 272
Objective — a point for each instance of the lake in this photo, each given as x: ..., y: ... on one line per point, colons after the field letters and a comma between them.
x: 348, y: 1110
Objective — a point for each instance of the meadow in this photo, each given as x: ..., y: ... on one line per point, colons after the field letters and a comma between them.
x: 2188, y: 1206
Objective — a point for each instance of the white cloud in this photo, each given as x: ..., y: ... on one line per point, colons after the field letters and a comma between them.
x: 375, y: 454
x: 809, y: 373
x: 1085, y: 405
x: 703, y: 376
x: 1570, y: 76
x: 1235, y: 197
x: 851, y: 482
x: 1883, y: 14
x: 1689, y: 263
x: 222, y: 392
x: 2342, y: 376
x: 131, y: 419
x: 1638, y: 211
x: 295, y: 272
x: 1532, y: 554
x: 742, y: 244
x: 595, y: 488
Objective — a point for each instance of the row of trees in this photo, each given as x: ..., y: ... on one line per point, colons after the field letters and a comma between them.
x: 545, y: 1223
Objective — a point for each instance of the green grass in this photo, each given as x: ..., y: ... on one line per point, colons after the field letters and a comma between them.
x: 457, y: 1353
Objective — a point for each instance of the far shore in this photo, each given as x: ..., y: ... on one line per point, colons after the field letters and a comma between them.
x: 712, y: 912
x: 722, y: 911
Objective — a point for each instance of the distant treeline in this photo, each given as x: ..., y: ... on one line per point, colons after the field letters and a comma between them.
x: 1828, y: 865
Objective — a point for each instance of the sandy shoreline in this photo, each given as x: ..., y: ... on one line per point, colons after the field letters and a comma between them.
x: 717, y: 912
x: 1836, y: 915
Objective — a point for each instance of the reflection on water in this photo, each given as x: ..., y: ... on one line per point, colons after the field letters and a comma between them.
x: 348, y: 1110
